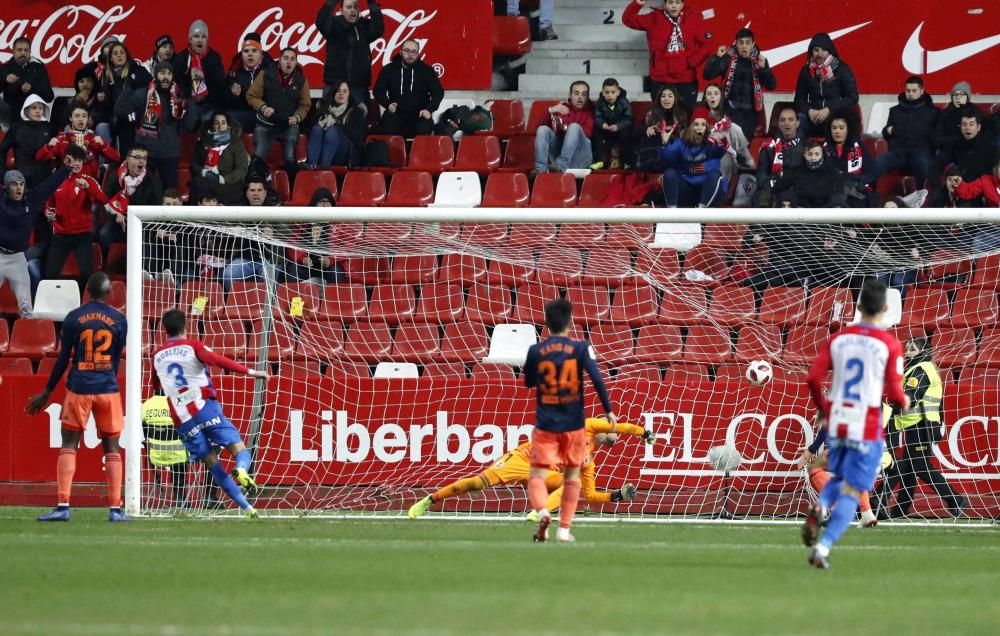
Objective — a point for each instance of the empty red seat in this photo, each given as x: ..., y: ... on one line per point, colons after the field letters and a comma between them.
x: 201, y: 299
x: 8, y: 302
x: 342, y: 370
x: 411, y: 190
x: 478, y: 153
x: 281, y: 341
x: 641, y: 371
x: 464, y: 342
x: 591, y: 303
x: 758, y: 342
x: 953, y: 347
x: 298, y: 300
x: 413, y: 269
x: 554, y: 190
x: 951, y: 266
x: 32, y: 338
x: 782, y: 305
x: 634, y: 305
x: 831, y: 306
x: 508, y: 117
x: 531, y: 299
x: 487, y: 234
x: 989, y: 348
x: 612, y: 342
x: 685, y: 373
x: 344, y: 302
x: 439, y: 303
x: 658, y: 343
x: 431, y: 153
x: 71, y: 269
x: 320, y: 340
x: 517, y: 267
x: 346, y: 234
x: 804, y: 342
x: 392, y: 303
x: 184, y: 182
x: 708, y: 344
x: 560, y: 266
x: 724, y: 236
x: 980, y: 376
x: 300, y: 370
x: 582, y: 234
x: 974, y: 307
x: 227, y: 337
x: 731, y: 305
x: 708, y: 260
x: 157, y: 297
x: 511, y: 35
x: 444, y: 370
x: 532, y: 234
x: 10, y: 367
x: 116, y: 297
x: 634, y: 236
x: 493, y: 372
x: 519, y: 155
x: 610, y: 266
x: 683, y: 304
x: 4, y: 337
x: 925, y: 306
x: 489, y: 304
x: 461, y: 268
x: 363, y: 189
x: 245, y: 300
x: 388, y: 235
x: 596, y: 186
x: 416, y: 342
x: 506, y: 190
x: 367, y: 270
x: 987, y: 272
x: 308, y: 181
x: 369, y: 342
x: 659, y: 265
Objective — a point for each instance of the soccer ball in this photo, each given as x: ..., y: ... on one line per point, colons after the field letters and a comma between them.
x: 724, y: 458
x: 759, y: 372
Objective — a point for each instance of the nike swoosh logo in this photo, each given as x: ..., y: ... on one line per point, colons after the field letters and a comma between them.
x: 915, y: 62
x: 781, y: 54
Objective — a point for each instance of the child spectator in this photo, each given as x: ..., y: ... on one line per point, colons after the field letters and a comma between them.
x: 199, y: 72
x: 745, y: 74
x: 71, y: 213
x: 77, y: 133
x: 612, y: 126
x: 818, y: 183
x: 739, y: 148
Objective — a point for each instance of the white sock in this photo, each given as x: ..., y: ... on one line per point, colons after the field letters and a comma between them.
x: 563, y: 534
x: 822, y: 550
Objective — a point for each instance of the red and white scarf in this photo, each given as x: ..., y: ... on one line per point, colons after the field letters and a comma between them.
x: 150, y: 125
x: 199, y: 89
x: 676, y: 43
x: 780, y: 147
x: 758, y: 90
x: 855, y: 158
x: 129, y: 184
x: 823, y: 71
x: 721, y: 127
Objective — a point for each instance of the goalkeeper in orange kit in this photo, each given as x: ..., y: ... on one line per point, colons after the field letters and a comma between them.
x: 515, y: 468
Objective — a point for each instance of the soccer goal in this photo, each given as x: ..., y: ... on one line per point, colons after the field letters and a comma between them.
x: 395, y: 338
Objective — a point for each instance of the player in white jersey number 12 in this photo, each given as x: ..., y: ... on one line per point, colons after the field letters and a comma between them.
x: 867, y: 362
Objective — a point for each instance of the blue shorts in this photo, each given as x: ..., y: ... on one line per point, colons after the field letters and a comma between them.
x: 856, y: 463
x: 207, y: 429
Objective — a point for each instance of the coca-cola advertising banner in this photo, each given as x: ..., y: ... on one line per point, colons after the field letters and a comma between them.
x: 457, y: 37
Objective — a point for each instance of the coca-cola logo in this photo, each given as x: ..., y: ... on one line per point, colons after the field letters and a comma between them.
x: 72, y: 34
x: 310, y: 44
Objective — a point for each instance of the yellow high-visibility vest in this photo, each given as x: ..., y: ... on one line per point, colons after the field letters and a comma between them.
x: 928, y: 407
x: 162, y: 452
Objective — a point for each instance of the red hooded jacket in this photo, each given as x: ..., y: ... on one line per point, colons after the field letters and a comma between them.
x: 93, y: 147
x: 75, y: 205
x: 679, y: 67
x: 582, y: 116
x: 986, y: 186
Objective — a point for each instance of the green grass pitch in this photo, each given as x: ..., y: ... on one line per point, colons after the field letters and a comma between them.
x: 312, y: 576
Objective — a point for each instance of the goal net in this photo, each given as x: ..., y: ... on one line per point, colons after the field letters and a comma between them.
x: 396, y: 351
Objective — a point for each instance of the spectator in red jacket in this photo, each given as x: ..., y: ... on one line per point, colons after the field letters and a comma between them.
x: 565, y: 139
x: 679, y: 42
x: 71, y: 213
x: 77, y: 133
x: 987, y: 239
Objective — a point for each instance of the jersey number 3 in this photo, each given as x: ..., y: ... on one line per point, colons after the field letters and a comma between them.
x: 177, y: 371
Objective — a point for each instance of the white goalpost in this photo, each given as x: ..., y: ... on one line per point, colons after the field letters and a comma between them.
x: 395, y: 337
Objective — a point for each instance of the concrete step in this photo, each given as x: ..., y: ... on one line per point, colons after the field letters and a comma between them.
x: 598, y: 15
x: 600, y: 33
x: 589, y: 48
x: 598, y: 65
x: 617, y: 5
x: 558, y: 84
x: 583, y: 52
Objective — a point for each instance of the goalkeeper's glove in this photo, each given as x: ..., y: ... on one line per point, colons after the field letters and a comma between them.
x: 625, y: 493
x: 649, y: 436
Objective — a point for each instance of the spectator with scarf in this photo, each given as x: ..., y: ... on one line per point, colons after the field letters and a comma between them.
x: 826, y: 84
x: 339, y: 133
x: 159, y: 113
x: 853, y: 159
x: 694, y: 164
x: 678, y: 41
x: 738, y: 147
x: 76, y: 133
x: 200, y: 72
x: 220, y: 161
x: 564, y: 141
x: 131, y: 184
x: 745, y: 74
x: 71, y: 212
x: 122, y: 75
x: 778, y: 154
x: 246, y: 65
x: 666, y: 118
x: 280, y: 96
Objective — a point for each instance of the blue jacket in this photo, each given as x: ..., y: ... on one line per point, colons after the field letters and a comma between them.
x: 17, y: 218
x: 685, y: 159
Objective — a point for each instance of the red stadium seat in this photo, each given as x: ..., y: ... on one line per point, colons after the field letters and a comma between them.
x: 987, y: 272
x: 201, y: 300
x: 517, y: 268
x: 686, y: 373
x: 32, y: 338
x: 758, y: 342
x: 184, y: 182
x: 953, y: 347
x: 444, y: 370
x: 281, y: 341
x: 709, y: 260
x: 116, y: 298
x: 830, y: 306
x: 658, y: 343
x: 532, y: 234
x: 71, y: 269
x: 639, y: 111
x: 300, y: 370
x: 634, y: 305
x: 660, y: 265
x: 989, y: 349
x: 416, y: 342
x: 388, y: 234
x: 369, y: 342
x: 974, y: 307
x: 488, y: 304
x: 464, y: 269
x: 511, y: 35
x: 246, y: 300
x: 611, y: 266
x: 925, y: 306
x: 520, y: 154
x: 464, y: 342
x: 11, y: 367
x: 731, y: 305
x: 227, y: 337
x: 363, y: 189
x: 308, y: 181
x: 641, y: 371
x: 683, y: 304
x: 188, y: 142
x: 539, y: 114
x: 591, y: 303
x: 478, y: 153
x: 431, y: 153
x: 531, y: 299
x: 345, y: 302
x: 413, y: 269
x: 804, y: 342
x: 707, y: 343
x: 340, y: 370
x: 157, y: 297
x: 559, y: 266
x: 980, y: 376
x: 440, y: 303
x: 8, y: 302
x: 554, y: 190
x: 397, y: 152
x: 347, y: 234
x: 298, y: 300
x: 630, y: 235
x: 575, y: 332
x: 612, y: 342
x: 281, y: 185
x: 493, y: 372
x: 950, y: 266
x: 392, y: 303
x: 782, y: 306
x: 595, y: 188
x: 582, y: 234
x: 508, y: 117
x: 367, y: 270
x: 506, y: 190
x: 724, y: 236
x: 114, y: 264
x: 320, y: 340
x: 411, y: 190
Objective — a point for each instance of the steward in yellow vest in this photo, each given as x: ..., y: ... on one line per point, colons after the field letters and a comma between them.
x: 163, y: 448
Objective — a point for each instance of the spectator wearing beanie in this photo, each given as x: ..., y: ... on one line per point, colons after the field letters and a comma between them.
x: 826, y: 84
x: 244, y: 69
x: 280, y: 97
x: 163, y: 51
x: 745, y: 74
x: 199, y: 71
x: 910, y: 133
x: 409, y: 90
x: 693, y: 174
x: 348, y: 45
x: 84, y: 94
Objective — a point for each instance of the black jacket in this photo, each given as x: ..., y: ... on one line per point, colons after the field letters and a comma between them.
x: 26, y: 137
x: 215, y: 77
x: 948, y: 128
x: 839, y: 93
x: 33, y: 73
x: 974, y: 157
x: 619, y: 113
x: 17, y: 218
x: 913, y: 124
x: 167, y: 143
x: 348, y: 46
x: 741, y: 92
x: 149, y: 192
x: 238, y: 74
x: 869, y: 168
x: 805, y: 188
x: 793, y: 158
x: 413, y: 88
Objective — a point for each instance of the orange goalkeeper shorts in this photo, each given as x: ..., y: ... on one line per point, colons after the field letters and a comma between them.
x: 105, y: 407
x: 549, y: 450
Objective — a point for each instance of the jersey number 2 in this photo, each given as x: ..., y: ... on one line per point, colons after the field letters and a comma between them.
x: 857, y: 366
x: 177, y: 371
